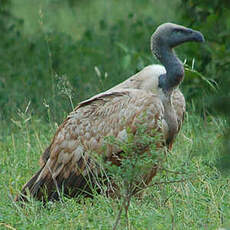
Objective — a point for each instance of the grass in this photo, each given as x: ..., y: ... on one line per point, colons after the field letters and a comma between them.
x: 202, y: 201
x: 52, y: 40
x: 58, y: 16
x: 59, y: 40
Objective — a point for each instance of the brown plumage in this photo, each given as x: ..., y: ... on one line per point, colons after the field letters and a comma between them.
x: 147, y: 80
x: 150, y: 97
x: 70, y: 164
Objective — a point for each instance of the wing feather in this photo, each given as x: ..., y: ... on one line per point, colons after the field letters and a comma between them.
x: 70, y: 163
x: 147, y: 80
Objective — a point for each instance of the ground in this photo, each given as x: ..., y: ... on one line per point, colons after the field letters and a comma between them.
x: 199, y: 200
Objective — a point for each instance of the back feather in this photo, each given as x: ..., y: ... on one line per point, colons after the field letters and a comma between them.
x: 70, y: 166
x: 147, y: 80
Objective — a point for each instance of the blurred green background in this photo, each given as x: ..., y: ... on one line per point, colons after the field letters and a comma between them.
x: 55, y: 53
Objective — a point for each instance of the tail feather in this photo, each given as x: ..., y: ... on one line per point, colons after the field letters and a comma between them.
x: 28, y: 187
x: 44, y: 187
x: 45, y: 156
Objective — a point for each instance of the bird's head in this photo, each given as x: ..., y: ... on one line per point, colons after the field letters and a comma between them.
x: 170, y: 35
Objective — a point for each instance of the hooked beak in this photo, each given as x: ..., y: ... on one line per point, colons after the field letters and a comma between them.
x: 189, y: 35
x: 197, y: 36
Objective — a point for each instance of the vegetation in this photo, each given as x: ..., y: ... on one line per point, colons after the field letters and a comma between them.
x: 199, y: 200
x: 56, y: 53
x: 215, y: 58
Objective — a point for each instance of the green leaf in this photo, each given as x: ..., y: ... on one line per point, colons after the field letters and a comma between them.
x: 195, y: 74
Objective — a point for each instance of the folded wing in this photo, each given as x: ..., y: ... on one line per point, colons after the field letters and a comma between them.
x: 70, y: 166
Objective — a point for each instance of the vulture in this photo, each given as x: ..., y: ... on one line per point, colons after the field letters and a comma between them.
x: 150, y: 97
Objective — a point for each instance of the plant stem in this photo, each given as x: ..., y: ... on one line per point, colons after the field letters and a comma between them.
x: 119, y: 215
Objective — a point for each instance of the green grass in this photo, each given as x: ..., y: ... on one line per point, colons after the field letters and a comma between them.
x: 71, y: 41
x: 57, y: 15
x: 53, y: 39
x: 202, y: 201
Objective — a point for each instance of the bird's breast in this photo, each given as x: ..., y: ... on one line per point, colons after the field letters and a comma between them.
x: 171, y: 124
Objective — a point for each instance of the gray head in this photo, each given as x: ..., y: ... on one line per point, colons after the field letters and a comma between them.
x: 164, y: 39
x: 169, y: 35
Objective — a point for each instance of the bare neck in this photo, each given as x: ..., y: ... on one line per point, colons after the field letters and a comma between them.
x: 174, y: 69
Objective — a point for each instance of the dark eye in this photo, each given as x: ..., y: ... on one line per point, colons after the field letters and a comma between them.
x: 179, y: 30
